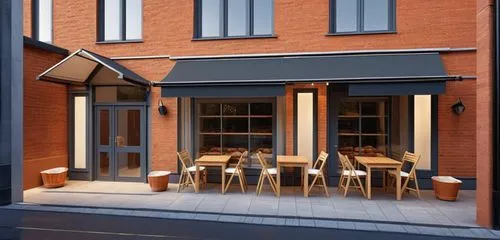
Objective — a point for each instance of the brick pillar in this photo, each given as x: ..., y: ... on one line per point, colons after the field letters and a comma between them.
x: 484, y: 143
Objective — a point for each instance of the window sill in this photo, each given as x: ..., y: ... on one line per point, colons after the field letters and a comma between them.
x: 120, y: 41
x: 360, y: 33
x: 234, y: 38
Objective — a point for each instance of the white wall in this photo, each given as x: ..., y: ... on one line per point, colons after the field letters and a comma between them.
x: 422, y: 130
x: 305, y: 130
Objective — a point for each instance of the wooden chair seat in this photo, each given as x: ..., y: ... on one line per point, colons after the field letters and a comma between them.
x: 193, y: 168
x: 354, y: 173
x: 403, y: 174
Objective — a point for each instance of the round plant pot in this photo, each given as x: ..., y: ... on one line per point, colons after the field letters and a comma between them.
x: 158, y: 180
x: 55, y: 177
x: 446, y: 188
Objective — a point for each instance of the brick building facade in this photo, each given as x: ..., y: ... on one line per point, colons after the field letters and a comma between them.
x: 301, y: 29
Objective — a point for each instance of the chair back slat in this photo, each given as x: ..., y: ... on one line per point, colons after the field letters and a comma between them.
x: 242, y: 159
x: 341, y: 159
x: 321, y: 161
x: 411, y: 157
x: 262, y: 161
x: 185, y: 158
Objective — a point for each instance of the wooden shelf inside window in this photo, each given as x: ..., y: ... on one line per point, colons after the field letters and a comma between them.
x: 241, y: 134
x: 362, y: 116
x: 362, y: 134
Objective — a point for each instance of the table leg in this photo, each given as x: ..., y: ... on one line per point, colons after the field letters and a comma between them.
x: 306, y: 181
x: 223, y: 174
x: 196, y: 178
x: 398, y: 183
x: 278, y: 179
x: 368, y: 183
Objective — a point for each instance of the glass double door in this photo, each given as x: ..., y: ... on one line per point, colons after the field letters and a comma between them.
x: 120, y: 143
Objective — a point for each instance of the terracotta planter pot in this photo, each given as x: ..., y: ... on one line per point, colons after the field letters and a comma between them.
x: 55, y: 177
x: 446, y: 188
x: 158, y: 180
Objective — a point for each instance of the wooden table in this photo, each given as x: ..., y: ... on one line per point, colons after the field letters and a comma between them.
x: 211, y: 161
x: 384, y: 163
x: 292, y: 161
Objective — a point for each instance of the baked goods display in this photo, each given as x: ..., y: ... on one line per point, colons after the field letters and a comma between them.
x: 235, y: 153
x: 368, y: 151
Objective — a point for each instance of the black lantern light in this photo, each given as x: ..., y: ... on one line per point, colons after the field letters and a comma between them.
x: 161, y: 108
x: 458, y: 107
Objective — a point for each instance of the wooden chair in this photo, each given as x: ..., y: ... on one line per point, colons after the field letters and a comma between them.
x: 266, y: 173
x: 188, y: 170
x: 412, y: 160
x: 350, y: 173
x: 238, y: 171
x: 318, y: 172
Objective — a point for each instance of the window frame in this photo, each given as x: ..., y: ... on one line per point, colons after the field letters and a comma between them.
x: 197, y: 33
x: 360, y: 19
x: 101, y: 31
x: 35, y: 30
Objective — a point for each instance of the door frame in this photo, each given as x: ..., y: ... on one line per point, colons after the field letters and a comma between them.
x: 142, y: 106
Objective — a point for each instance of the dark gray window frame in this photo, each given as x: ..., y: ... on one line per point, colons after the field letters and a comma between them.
x: 224, y: 23
x: 360, y: 18
x: 35, y: 31
x: 101, y: 25
x: 314, y: 91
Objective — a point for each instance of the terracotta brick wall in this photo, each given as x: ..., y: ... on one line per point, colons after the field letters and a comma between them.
x: 45, y: 118
x: 484, y: 122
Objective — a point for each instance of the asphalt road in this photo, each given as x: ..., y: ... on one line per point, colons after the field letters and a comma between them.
x: 16, y: 224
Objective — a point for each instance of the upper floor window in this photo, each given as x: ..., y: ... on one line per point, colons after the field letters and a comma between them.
x: 42, y: 20
x: 120, y: 20
x: 234, y: 18
x: 362, y: 16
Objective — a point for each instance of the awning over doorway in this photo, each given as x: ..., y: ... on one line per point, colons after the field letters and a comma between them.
x: 84, y: 66
x: 412, y: 73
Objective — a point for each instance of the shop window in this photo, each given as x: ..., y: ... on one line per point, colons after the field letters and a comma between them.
x: 234, y: 18
x: 120, y: 20
x: 232, y: 128
x: 42, y: 20
x: 422, y: 130
x: 363, y: 127
x: 362, y: 16
x: 80, y: 132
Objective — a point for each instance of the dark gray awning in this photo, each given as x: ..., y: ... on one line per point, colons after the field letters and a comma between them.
x: 84, y: 66
x: 358, y: 69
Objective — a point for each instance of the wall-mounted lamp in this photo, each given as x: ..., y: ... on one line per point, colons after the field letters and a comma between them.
x: 458, y: 107
x: 161, y: 108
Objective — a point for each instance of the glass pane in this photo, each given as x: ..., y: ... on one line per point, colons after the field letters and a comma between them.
x: 374, y: 125
x: 80, y: 132
x: 237, y: 22
x: 235, y: 109
x: 347, y: 144
x: 129, y: 164
x: 210, y: 125
x: 104, y: 127
x: 210, y: 145
x: 261, y: 125
x: 346, y: 16
x: 104, y: 164
x: 235, y: 125
x: 128, y: 127
x: 263, y: 144
x: 211, y: 18
x: 45, y: 20
x: 349, y: 109
x: 234, y: 145
x: 373, y: 108
x: 120, y: 94
x: 348, y: 125
x: 376, y: 15
x: 209, y: 109
x: 112, y: 20
x: 263, y: 17
x: 261, y: 109
x: 372, y: 146
x: 133, y: 19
